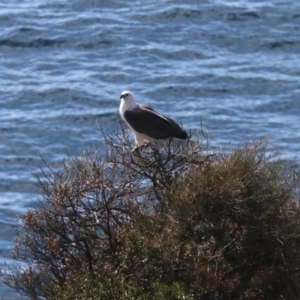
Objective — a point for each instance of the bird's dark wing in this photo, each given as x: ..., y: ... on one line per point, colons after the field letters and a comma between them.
x: 144, y: 119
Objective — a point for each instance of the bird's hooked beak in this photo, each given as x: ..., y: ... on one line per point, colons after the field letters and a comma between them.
x: 124, y: 95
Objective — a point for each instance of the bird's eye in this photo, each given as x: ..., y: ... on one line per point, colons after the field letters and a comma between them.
x: 123, y: 96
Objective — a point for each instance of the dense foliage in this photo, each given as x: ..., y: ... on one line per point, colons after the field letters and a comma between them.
x: 169, y: 222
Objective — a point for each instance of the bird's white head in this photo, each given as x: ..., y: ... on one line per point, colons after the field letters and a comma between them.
x: 127, y: 96
x: 127, y: 101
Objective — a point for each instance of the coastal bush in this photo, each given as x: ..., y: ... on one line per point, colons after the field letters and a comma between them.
x: 172, y: 221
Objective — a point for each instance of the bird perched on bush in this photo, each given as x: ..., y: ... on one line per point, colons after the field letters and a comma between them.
x: 146, y: 123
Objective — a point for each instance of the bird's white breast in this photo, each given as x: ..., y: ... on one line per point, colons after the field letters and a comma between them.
x: 125, y: 105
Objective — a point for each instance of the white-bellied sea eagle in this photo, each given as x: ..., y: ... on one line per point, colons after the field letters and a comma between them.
x: 146, y: 123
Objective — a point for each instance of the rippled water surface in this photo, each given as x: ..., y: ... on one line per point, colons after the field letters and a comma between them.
x: 233, y: 66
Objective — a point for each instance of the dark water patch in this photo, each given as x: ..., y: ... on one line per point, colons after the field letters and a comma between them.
x: 177, y: 14
x: 84, y: 5
x: 95, y: 44
x: 241, y: 16
x: 37, y: 43
x: 26, y: 29
x: 287, y: 45
x: 174, y: 54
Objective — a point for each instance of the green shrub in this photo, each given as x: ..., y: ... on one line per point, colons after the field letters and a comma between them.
x: 170, y: 222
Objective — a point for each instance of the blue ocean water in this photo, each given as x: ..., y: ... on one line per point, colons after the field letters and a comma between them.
x: 231, y: 65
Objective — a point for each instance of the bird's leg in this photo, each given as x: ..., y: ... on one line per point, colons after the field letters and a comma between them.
x: 137, y: 147
x: 136, y: 150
